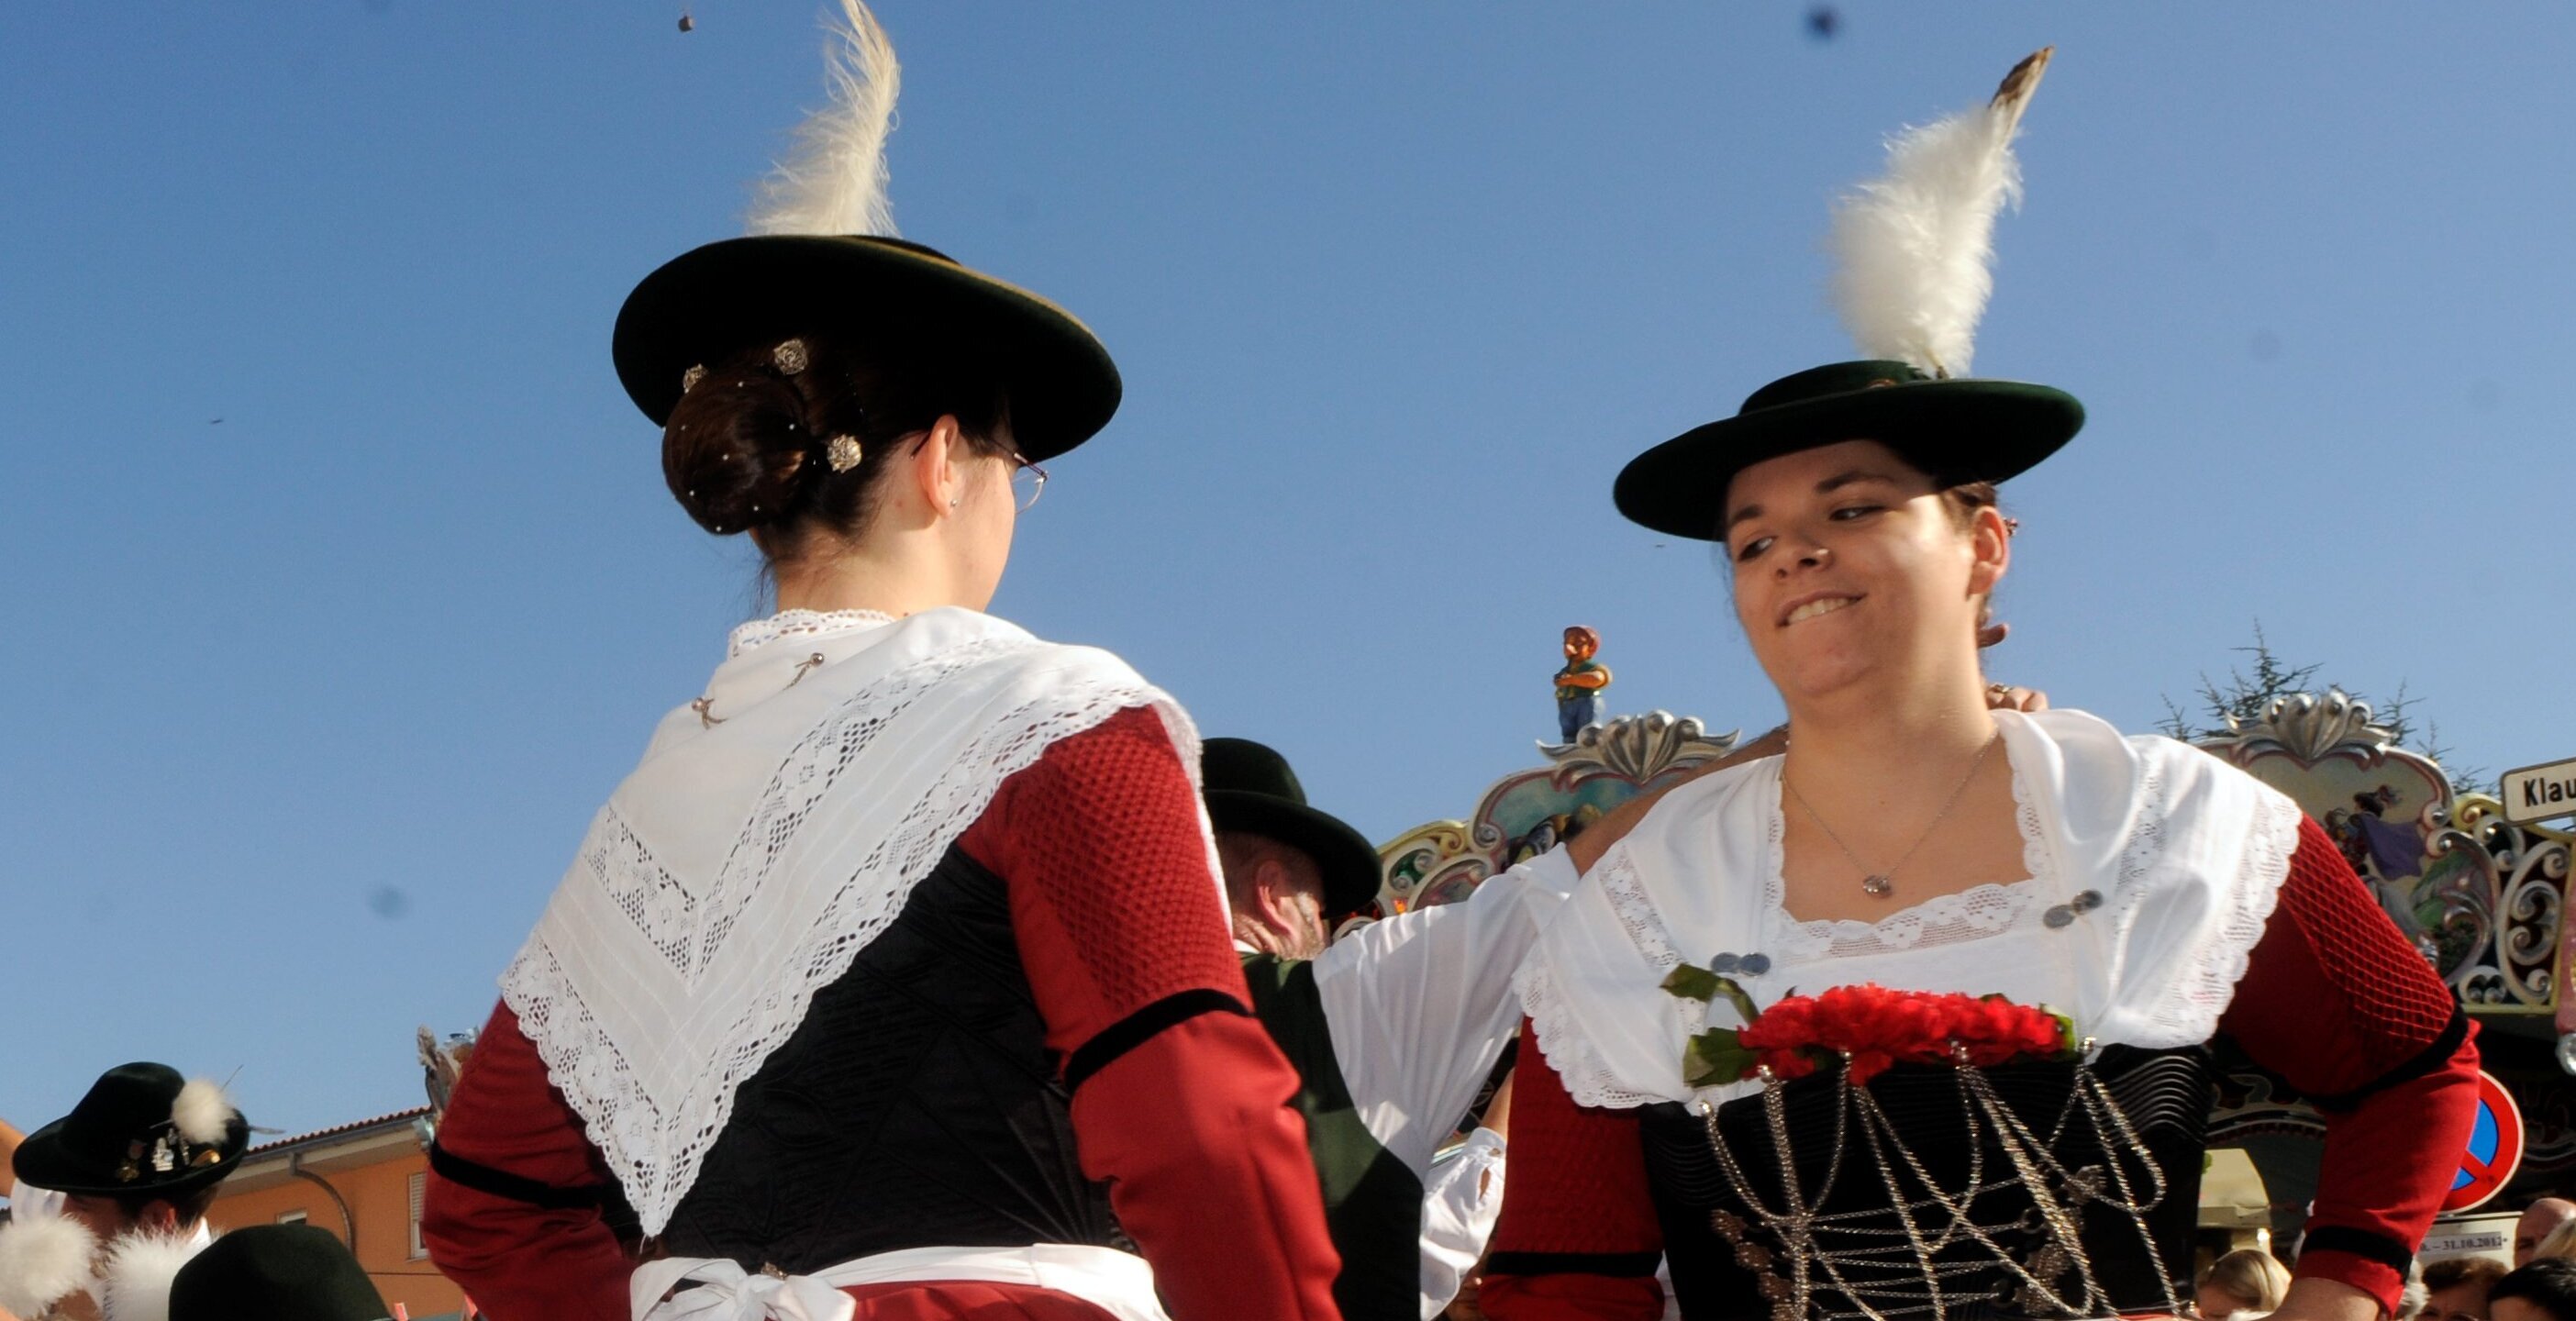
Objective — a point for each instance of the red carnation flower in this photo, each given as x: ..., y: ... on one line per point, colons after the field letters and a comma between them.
x: 1875, y: 1028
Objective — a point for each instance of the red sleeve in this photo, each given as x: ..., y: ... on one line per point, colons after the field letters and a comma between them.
x: 514, y: 1206
x: 2337, y: 1002
x: 1181, y: 1100
x: 1578, y: 1236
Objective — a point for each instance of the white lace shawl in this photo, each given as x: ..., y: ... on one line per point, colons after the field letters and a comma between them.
x: 746, y: 862
x: 2187, y: 852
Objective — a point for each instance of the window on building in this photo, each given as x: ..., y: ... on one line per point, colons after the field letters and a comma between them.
x: 290, y: 1217
x: 419, y: 1191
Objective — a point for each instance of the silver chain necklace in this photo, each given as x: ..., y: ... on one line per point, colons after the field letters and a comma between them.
x: 1881, y: 883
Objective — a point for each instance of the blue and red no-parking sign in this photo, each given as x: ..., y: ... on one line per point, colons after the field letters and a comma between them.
x: 2494, y: 1151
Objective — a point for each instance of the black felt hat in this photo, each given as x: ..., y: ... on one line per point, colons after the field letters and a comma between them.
x: 126, y: 1138
x: 1958, y: 430
x: 275, y: 1273
x: 726, y: 296
x: 1250, y: 788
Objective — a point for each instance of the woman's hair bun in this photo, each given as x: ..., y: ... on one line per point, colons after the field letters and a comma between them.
x: 738, y: 451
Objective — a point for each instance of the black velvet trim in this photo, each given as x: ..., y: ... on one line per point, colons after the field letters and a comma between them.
x: 1137, y: 1028
x: 2427, y: 1060
x: 1623, y: 1264
x: 501, y: 1183
x: 2361, y: 1243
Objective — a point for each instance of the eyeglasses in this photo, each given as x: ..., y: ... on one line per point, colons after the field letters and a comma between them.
x: 1028, y: 482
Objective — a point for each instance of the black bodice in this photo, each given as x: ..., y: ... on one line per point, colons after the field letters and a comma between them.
x: 1710, y: 1235
x: 917, y: 1105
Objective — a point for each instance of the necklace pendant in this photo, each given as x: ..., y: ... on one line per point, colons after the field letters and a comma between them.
x: 1876, y: 885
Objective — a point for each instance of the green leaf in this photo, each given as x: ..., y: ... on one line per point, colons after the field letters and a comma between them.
x: 1744, y: 1006
x: 1692, y: 983
x: 1715, y: 1057
x: 1696, y: 983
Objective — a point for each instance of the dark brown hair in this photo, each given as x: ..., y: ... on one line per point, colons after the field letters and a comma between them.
x: 1965, y: 499
x: 2548, y: 1284
x: 2451, y: 1272
x: 1962, y: 503
x: 748, y: 445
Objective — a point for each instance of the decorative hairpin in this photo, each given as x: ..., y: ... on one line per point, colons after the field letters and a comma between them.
x: 843, y: 452
x: 790, y: 357
x: 689, y: 379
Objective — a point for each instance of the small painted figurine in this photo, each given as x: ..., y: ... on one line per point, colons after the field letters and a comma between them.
x: 1579, y: 684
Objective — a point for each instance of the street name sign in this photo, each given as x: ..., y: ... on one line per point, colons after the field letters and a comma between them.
x: 2537, y: 793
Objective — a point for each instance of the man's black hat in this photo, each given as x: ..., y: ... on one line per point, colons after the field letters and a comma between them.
x: 1956, y: 429
x: 275, y: 1273
x: 1250, y: 788
x: 131, y: 1136
x: 730, y: 295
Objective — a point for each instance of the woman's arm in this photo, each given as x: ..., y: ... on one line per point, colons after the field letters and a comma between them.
x: 1420, y: 1005
x: 2338, y: 1003
x: 516, y: 1204
x: 1180, y: 1098
x: 1578, y: 1236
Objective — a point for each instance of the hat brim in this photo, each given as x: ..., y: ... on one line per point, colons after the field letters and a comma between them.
x: 1343, y: 855
x: 715, y: 300
x: 43, y: 1161
x: 1956, y: 430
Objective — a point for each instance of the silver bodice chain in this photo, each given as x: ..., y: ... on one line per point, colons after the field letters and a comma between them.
x: 1894, y: 1271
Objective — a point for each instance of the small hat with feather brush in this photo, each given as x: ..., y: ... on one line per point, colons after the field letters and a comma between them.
x: 822, y: 258
x: 1912, y: 279
x: 141, y: 1131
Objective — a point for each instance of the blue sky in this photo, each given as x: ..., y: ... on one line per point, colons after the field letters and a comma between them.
x: 309, y: 706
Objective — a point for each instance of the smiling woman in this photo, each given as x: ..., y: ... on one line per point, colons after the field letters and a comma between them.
x: 1909, y: 838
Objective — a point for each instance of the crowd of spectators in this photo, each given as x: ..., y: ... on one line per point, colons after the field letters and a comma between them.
x: 2248, y: 1284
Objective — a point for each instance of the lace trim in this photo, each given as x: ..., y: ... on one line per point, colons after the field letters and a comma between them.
x: 1588, y: 1077
x: 800, y: 624
x: 2037, y: 858
x: 656, y: 1153
x: 1947, y: 919
x: 626, y: 871
x: 2188, y: 1013
x: 1626, y: 891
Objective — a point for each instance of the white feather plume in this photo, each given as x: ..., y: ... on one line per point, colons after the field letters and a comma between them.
x: 1912, y: 247
x: 42, y: 1258
x: 202, y: 1113
x: 140, y: 1266
x: 834, y: 181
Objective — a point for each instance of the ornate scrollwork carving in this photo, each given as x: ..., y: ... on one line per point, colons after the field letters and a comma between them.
x: 1639, y: 747
x: 2308, y: 726
x: 1532, y: 810
x: 2483, y: 898
x: 2533, y: 870
x: 1427, y: 864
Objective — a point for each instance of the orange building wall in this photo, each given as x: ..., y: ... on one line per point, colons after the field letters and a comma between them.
x: 379, y: 1198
